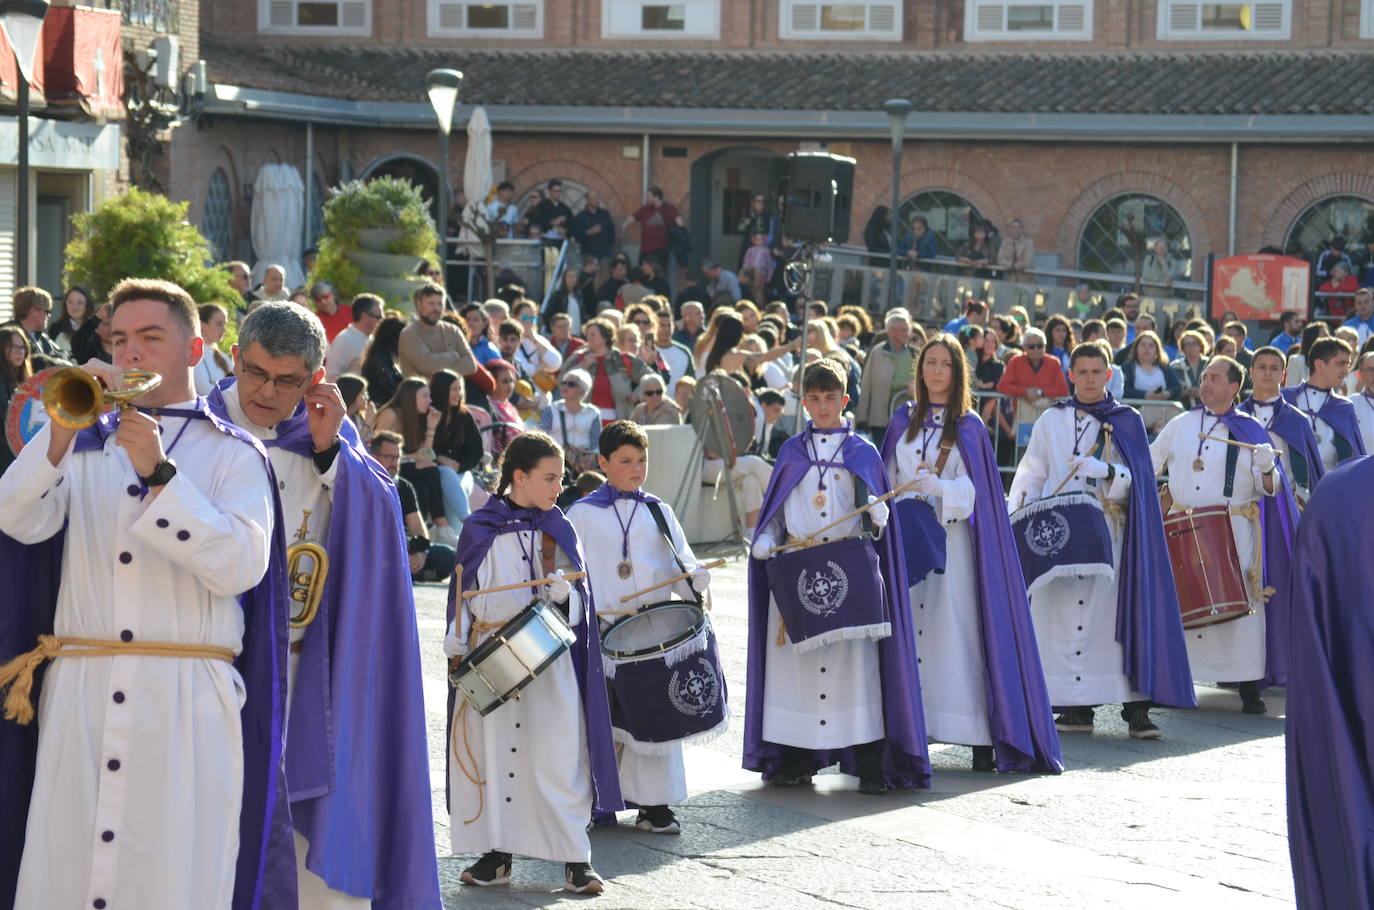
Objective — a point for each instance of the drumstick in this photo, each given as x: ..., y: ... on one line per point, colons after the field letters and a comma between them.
x: 668, y: 581
x: 525, y: 584
x: 1069, y: 476
x: 1233, y: 442
x: 809, y: 541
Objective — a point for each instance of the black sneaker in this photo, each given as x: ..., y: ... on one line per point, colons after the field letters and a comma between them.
x: 1075, y: 720
x: 792, y: 771
x: 871, y: 783
x: 984, y: 758
x: 581, y: 878
x: 658, y: 820
x: 492, y: 869
x: 1251, y: 703
x: 1138, y: 723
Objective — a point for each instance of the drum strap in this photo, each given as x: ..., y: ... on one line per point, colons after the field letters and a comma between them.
x: 662, y: 522
x: 1232, y: 456
x: 945, y: 449
x: 861, y: 497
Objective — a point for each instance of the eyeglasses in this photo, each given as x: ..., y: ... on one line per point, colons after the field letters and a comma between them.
x: 1035, y: 347
x: 527, y: 318
x: 653, y: 393
x: 572, y: 385
x: 284, y: 385
x: 21, y: 348
x: 642, y: 323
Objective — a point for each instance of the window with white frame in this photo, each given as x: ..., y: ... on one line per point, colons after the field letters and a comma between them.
x: 315, y: 17
x: 1188, y: 20
x: 455, y: 19
x: 840, y: 20
x: 1367, y: 19
x: 998, y: 20
x: 658, y: 21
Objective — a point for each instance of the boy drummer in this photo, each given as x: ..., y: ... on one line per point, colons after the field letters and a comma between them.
x: 633, y: 541
x: 854, y: 700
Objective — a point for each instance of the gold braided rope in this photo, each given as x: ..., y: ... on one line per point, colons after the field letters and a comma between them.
x: 18, y: 673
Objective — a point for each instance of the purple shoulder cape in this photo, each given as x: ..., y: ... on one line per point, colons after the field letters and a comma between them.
x: 1331, y: 695
x: 603, y: 497
x: 1293, y: 427
x: 1149, y: 626
x: 1019, y: 712
x: 906, y: 757
x: 479, y: 530
x: 1338, y: 413
x: 1278, y: 526
x: 357, y: 757
x: 266, y: 871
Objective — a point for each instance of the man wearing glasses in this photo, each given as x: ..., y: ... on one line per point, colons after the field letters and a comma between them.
x: 1035, y: 380
x: 345, y: 354
x: 32, y: 306
x: 333, y: 317
x: 342, y: 738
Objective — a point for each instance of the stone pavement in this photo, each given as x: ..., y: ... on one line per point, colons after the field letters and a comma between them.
x: 1193, y: 820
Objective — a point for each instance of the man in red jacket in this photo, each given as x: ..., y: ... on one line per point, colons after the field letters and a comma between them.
x: 1033, y: 379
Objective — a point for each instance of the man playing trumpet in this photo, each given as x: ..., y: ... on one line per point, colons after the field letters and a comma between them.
x: 357, y: 766
x: 159, y: 739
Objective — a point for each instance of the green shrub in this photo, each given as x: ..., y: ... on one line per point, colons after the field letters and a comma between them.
x: 383, y: 202
x: 144, y: 235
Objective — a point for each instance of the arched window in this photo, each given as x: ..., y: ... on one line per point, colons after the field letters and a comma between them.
x: 948, y: 215
x: 1351, y: 217
x: 217, y: 221
x: 1125, y: 228
x: 316, y: 213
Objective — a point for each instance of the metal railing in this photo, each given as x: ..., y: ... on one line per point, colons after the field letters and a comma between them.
x: 526, y: 258
x: 556, y: 279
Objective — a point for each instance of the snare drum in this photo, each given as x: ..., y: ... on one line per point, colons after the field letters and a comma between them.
x: 663, y: 672
x: 1062, y: 536
x: 830, y: 592
x: 513, y: 657
x: 1207, y: 574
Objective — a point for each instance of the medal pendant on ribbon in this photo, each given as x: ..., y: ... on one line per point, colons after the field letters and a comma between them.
x: 624, y: 568
x: 1199, y: 465
x: 819, y: 500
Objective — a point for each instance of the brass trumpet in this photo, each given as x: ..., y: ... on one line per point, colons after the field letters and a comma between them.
x: 75, y: 399
x: 307, y: 581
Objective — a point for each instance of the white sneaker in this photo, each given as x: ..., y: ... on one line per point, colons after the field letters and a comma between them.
x: 444, y: 534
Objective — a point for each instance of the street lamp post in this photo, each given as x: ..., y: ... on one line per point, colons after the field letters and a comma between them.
x: 22, y: 21
x: 442, y: 85
x: 897, y: 110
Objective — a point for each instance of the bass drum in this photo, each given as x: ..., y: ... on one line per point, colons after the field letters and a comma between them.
x: 716, y: 397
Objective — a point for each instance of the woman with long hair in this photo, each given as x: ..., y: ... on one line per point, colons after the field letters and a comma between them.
x: 1147, y: 376
x: 1059, y: 339
x: 1192, y: 360
x: 877, y: 232
x: 16, y: 365
x: 357, y: 406
x: 727, y: 354
x: 525, y: 779
x: 1298, y: 368
x: 821, y: 339
x: 567, y: 299
x: 77, y: 308
x: 457, y: 444
x: 379, y: 360
x: 410, y: 414
x: 973, y: 623
x: 93, y: 340
x: 975, y: 254
x: 214, y: 363
x: 614, y: 374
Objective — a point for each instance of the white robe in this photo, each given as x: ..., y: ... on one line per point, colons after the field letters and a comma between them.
x: 831, y: 697
x: 1364, y: 410
x: 944, y: 606
x: 140, y: 759
x: 1264, y: 413
x: 1310, y: 402
x: 531, y: 752
x: 1075, y: 618
x: 649, y: 780
x: 1231, y: 651
x: 299, y: 487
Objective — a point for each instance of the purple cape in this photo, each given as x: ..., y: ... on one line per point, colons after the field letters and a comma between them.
x: 603, y: 497
x: 1338, y: 413
x: 265, y: 876
x: 357, y: 757
x: 906, y: 758
x: 1292, y: 426
x: 479, y: 530
x: 1019, y: 713
x: 1149, y: 626
x: 1278, y: 525
x: 1331, y: 695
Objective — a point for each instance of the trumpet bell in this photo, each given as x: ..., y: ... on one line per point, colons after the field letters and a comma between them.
x: 75, y: 399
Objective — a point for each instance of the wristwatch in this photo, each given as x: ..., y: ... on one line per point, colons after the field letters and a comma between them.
x: 166, y: 469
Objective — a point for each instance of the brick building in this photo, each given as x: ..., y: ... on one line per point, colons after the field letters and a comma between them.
x: 1224, y: 127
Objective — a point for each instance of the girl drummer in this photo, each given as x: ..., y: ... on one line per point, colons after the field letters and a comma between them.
x: 981, y: 680
x: 513, y: 786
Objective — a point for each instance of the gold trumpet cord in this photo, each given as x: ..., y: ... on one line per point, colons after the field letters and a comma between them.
x: 18, y: 673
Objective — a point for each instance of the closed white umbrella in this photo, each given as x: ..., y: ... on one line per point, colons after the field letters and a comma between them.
x: 477, y: 163
x: 278, y: 211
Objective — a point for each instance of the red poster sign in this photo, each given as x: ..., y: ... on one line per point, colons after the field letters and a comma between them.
x: 1260, y: 286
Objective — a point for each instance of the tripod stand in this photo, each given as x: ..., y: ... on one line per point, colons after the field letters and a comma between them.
x: 715, y: 434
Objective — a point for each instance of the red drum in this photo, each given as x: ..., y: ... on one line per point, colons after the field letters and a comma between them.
x: 1202, y: 551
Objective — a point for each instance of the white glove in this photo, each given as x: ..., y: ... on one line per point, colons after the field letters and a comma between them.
x: 1265, y: 457
x: 927, y: 483
x: 1089, y: 466
x: 558, y: 590
x: 879, y: 514
x: 763, y: 547
x: 453, y: 645
x: 700, y: 579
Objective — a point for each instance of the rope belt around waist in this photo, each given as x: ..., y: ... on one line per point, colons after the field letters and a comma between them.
x: 461, y: 724
x: 18, y: 673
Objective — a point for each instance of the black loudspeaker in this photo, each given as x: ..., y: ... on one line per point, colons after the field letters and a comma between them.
x: 820, y: 190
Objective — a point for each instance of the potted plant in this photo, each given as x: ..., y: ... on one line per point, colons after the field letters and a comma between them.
x: 376, y: 233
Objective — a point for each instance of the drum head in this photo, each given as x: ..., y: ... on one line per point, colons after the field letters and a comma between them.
x: 715, y: 395
x: 657, y: 628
